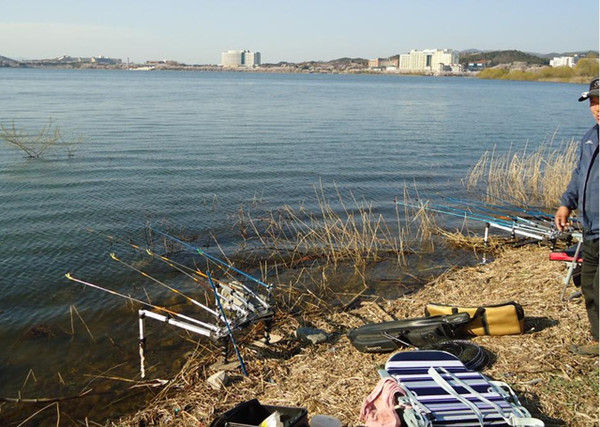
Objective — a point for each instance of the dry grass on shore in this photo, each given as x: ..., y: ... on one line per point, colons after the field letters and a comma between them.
x: 334, y: 378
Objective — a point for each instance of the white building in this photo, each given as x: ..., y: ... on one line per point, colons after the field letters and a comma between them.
x: 562, y: 61
x: 251, y: 59
x: 240, y: 58
x: 434, y: 60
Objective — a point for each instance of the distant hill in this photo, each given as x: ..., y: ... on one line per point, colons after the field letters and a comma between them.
x: 508, y: 56
x: 496, y: 57
x: 339, y: 62
x: 360, y: 61
x: 4, y: 61
x: 584, y: 53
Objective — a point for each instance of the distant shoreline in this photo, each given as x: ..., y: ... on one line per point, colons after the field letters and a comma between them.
x: 296, y: 70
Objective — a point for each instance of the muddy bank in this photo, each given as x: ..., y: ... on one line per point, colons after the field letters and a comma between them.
x: 334, y: 378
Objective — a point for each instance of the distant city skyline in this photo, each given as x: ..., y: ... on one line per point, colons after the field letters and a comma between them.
x: 197, y: 32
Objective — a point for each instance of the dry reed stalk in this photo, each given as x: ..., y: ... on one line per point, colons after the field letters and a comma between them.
x: 537, y: 177
x: 333, y: 235
x: 72, y: 309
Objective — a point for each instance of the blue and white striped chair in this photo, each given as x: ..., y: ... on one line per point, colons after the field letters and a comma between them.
x: 441, y: 391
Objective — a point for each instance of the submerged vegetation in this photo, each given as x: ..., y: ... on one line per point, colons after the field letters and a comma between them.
x: 38, y: 143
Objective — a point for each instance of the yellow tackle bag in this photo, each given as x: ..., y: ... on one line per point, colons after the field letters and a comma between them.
x: 499, y: 319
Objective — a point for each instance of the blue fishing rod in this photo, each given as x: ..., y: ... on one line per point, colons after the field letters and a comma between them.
x: 534, y: 213
x: 496, y: 209
x: 504, y: 210
x: 510, y: 226
x: 450, y: 210
x: 516, y: 219
x: 212, y: 258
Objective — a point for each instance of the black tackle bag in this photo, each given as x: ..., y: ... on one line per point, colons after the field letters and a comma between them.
x: 389, y: 336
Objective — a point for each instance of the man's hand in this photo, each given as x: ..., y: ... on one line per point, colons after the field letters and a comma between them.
x: 561, y: 218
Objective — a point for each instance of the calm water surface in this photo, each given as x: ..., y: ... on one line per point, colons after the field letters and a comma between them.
x: 188, y: 150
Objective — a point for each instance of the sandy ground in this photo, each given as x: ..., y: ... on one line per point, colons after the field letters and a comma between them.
x: 334, y: 378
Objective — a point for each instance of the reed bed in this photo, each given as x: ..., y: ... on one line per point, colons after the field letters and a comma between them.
x: 530, y: 178
x: 345, y: 230
x: 334, y: 378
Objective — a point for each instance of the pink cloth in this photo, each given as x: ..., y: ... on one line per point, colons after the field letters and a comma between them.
x: 378, y: 409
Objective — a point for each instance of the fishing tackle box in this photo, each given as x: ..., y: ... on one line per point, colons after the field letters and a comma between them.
x: 251, y: 413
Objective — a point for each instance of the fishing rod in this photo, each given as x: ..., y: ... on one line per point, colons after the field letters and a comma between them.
x: 450, y: 210
x: 473, y: 205
x: 214, y: 259
x: 232, y: 288
x: 515, y: 218
x: 494, y: 222
x: 529, y: 212
x: 506, y: 210
x: 504, y: 224
x: 235, y: 348
x: 237, y: 294
x: 178, y: 292
x: 182, y: 268
x: 147, y: 304
x: 196, y: 271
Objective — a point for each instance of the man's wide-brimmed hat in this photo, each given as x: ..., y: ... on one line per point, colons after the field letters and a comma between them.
x: 592, y: 92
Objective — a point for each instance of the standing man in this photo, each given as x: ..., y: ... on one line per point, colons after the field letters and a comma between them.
x: 582, y: 194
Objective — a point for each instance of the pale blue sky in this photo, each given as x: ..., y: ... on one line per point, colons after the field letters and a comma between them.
x: 197, y: 31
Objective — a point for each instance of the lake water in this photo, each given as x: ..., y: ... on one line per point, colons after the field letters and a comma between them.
x: 188, y: 149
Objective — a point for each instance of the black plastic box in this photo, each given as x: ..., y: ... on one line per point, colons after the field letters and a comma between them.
x: 252, y: 413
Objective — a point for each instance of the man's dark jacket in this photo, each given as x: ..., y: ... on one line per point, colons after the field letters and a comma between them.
x: 582, y: 191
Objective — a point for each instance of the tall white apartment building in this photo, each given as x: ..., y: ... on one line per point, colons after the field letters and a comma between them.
x: 434, y: 60
x: 562, y: 61
x: 251, y: 59
x: 240, y: 58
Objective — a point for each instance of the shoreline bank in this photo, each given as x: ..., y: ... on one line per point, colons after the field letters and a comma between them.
x: 334, y: 378
x: 288, y: 70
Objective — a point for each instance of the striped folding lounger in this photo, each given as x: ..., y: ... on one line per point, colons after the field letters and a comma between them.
x: 440, y: 391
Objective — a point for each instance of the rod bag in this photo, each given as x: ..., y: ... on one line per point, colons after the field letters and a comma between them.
x: 499, y: 319
x: 417, y: 332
